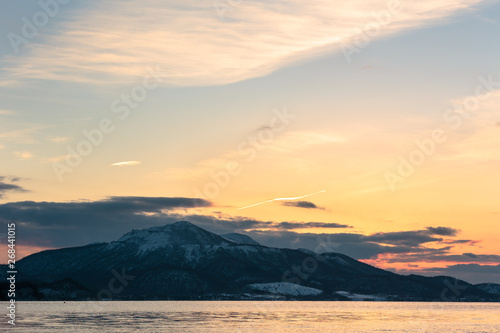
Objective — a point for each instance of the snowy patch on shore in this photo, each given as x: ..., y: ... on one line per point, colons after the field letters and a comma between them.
x: 285, y: 288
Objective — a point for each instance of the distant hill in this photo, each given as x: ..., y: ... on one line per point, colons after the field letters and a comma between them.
x: 183, y: 261
x: 240, y: 239
x: 492, y: 288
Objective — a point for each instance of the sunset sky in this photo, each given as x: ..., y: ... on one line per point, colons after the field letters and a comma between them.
x: 369, y: 128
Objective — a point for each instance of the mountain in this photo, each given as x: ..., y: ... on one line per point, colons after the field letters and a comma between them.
x: 183, y: 261
x: 180, y: 233
x: 492, y: 288
x: 240, y: 239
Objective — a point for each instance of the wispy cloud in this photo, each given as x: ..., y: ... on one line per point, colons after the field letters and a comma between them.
x: 57, y: 139
x: 6, y: 113
x: 296, y: 140
x: 481, y: 127
x: 22, y: 136
x: 187, y: 39
x: 25, y: 155
x: 487, y: 19
x: 56, y: 159
x: 127, y: 163
x: 283, y: 199
x: 286, y: 143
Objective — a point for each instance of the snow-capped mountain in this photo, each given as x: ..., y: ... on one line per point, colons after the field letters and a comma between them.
x: 183, y: 261
x: 180, y: 233
x: 240, y: 239
x: 492, y: 288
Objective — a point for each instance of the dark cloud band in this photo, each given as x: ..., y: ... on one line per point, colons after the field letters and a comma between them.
x: 6, y: 187
x: 301, y: 204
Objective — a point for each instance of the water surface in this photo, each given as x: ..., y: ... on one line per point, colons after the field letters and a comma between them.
x: 255, y: 316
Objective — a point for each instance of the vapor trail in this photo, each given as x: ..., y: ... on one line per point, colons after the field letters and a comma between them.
x: 282, y: 199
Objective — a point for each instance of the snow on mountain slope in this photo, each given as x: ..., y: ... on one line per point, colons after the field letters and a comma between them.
x: 492, y: 288
x: 285, y: 288
x: 240, y: 239
x: 360, y: 297
x: 179, y: 233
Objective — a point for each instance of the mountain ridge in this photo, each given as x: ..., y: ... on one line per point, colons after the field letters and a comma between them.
x: 183, y: 261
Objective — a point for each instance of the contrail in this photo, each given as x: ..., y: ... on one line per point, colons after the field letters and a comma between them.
x: 281, y: 199
x: 126, y: 163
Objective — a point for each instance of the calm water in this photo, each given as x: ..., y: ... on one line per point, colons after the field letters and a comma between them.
x: 275, y: 317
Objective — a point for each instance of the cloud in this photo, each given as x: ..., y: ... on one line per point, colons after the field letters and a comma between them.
x: 410, y: 238
x: 283, y: 199
x: 25, y: 155
x: 459, y: 241
x: 442, y: 231
x: 127, y: 163
x: 479, y: 145
x: 196, y: 45
x: 301, y: 225
x: 357, y: 246
x: 227, y: 224
x: 56, y: 159
x: 6, y: 113
x: 444, y: 257
x: 110, y: 206
x: 5, y: 187
x: 76, y: 223
x: 10, y: 178
x: 470, y: 268
x: 63, y: 224
x: 301, y: 204
x: 285, y: 143
x: 399, y: 244
x: 22, y: 136
x: 9, y: 187
x: 296, y: 140
x: 413, y: 238
x: 486, y: 19
x: 473, y: 273
x: 57, y: 139
x: 60, y: 224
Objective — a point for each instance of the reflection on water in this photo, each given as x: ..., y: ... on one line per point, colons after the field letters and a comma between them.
x: 249, y: 316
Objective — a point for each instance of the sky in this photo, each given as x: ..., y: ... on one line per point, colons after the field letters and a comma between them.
x: 369, y: 128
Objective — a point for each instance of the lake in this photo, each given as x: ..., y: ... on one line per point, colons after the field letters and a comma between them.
x: 253, y: 316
